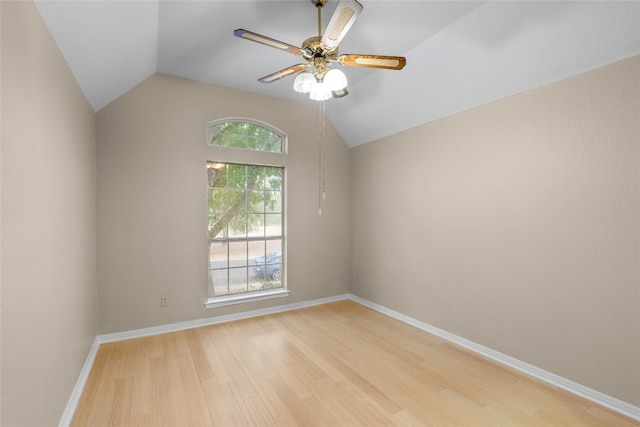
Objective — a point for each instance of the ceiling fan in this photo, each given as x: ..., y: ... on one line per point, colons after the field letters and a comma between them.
x: 317, y: 77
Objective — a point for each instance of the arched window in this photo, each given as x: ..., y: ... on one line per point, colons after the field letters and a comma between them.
x: 246, y: 215
x: 245, y: 134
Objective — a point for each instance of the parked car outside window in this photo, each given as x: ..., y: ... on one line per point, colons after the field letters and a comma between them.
x: 269, y: 267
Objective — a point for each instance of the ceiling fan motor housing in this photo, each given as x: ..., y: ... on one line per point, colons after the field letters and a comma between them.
x: 313, y: 48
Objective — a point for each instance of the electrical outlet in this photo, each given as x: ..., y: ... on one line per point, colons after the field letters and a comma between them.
x: 164, y: 301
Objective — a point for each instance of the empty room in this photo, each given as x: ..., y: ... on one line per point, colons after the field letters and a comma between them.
x: 312, y: 212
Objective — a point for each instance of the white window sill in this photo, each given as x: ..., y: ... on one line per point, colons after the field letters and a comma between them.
x: 248, y: 297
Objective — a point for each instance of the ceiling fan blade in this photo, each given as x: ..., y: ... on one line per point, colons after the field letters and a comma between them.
x: 342, y: 19
x: 258, y: 38
x: 373, y: 61
x: 283, y: 73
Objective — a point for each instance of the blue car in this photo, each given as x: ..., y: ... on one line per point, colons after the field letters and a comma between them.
x: 269, y: 267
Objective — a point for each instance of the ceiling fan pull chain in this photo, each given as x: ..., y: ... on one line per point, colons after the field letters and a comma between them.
x: 321, y: 124
x: 324, y: 147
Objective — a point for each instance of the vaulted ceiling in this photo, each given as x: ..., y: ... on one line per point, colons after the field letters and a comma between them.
x: 459, y: 54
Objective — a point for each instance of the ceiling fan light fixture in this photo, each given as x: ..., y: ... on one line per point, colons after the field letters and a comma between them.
x: 320, y: 92
x: 335, y: 80
x: 304, y: 82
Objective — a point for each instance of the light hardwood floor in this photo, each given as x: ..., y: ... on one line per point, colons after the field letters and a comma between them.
x: 338, y: 364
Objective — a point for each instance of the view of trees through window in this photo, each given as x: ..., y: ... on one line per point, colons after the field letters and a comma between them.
x: 246, y: 135
x: 245, y: 231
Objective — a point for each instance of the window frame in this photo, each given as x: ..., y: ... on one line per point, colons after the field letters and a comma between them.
x: 250, y: 157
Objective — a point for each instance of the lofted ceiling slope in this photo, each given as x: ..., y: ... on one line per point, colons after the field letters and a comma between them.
x: 460, y: 54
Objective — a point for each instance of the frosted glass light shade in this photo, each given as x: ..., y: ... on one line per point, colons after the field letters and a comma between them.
x: 320, y: 92
x: 304, y: 82
x: 335, y: 79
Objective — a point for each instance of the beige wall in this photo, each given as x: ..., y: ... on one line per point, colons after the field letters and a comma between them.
x: 515, y: 225
x: 152, y: 201
x: 49, y: 283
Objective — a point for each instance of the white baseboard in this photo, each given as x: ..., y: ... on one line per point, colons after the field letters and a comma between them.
x: 156, y: 330
x: 607, y: 401
x: 612, y: 403
x: 74, y: 399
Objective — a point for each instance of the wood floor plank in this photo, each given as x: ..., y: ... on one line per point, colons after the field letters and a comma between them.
x: 338, y: 364
x: 218, y: 410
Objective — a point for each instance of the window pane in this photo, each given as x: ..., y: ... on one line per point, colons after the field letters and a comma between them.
x: 273, y: 178
x: 256, y: 225
x: 272, y: 280
x: 237, y: 175
x: 257, y: 260
x: 217, y: 174
x: 255, y: 142
x: 219, y: 280
x: 237, y: 141
x: 267, y: 269
x: 274, y: 144
x: 218, y: 257
x: 273, y: 201
x: 238, y: 225
x: 255, y: 177
x: 217, y: 226
x: 256, y: 282
x: 274, y: 245
x: 237, y: 254
x: 238, y: 280
x: 236, y: 201
x: 256, y: 201
x: 216, y: 135
x: 257, y: 249
x: 273, y: 225
x: 218, y: 200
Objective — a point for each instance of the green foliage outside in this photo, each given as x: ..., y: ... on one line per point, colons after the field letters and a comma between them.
x: 239, y: 198
x: 241, y: 195
x: 246, y: 135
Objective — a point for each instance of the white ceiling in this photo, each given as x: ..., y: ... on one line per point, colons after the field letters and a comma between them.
x: 459, y: 54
